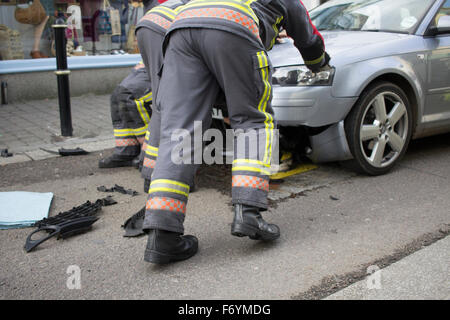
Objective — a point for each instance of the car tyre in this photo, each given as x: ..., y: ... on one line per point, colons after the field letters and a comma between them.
x: 379, y: 128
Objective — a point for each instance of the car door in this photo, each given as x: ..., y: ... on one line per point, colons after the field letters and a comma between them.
x: 437, y: 101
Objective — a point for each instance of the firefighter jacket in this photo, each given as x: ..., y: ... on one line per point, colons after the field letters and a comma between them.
x: 257, y: 20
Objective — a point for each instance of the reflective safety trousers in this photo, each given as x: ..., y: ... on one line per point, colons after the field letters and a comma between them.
x: 131, y: 112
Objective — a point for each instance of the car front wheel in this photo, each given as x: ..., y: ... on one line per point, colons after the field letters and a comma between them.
x: 379, y: 128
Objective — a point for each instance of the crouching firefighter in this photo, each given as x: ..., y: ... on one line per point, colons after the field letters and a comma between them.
x: 215, y: 45
x: 130, y: 113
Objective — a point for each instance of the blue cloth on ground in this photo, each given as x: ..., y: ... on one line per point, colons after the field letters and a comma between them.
x: 19, y: 209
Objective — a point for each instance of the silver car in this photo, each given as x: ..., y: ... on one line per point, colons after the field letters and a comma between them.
x: 390, y: 82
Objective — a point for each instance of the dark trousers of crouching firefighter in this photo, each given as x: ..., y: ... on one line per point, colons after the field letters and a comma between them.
x: 197, y: 65
x: 130, y: 112
x: 150, y: 47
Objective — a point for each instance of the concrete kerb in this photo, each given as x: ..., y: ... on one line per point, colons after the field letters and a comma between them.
x: 422, y: 275
x: 90, y: 145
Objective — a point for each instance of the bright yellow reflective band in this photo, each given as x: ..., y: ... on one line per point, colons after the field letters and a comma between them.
x: 141, y: 109
x: 252, y: 169
x: 140, y: 133
x: 149, y: 147
x: 167, y: 181
x: 145, y: 113
x: 178, y: 9
x: 275, y: 28
x: 164, y: 11
x: 262, y: 101
x: 169, y: 186
x: 230, y: 3
x: 151, y: 153
x: 123, y: 130
x: 129, y: 132
x: 148, y: 97
x: 168, y: 190
x: 268, y: 123
x: 130, y: 129
x: 317, y: 60
x: 251, y: 161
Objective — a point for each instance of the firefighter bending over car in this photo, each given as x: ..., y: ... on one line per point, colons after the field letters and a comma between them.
x: 150, y: 36
x: 210, y: 46
x: 150, y: 32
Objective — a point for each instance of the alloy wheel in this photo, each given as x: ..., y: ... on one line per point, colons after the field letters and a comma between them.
x: 384, y: 129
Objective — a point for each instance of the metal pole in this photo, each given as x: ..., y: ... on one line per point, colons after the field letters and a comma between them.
x: 4, y: 92
x: 62, y: 74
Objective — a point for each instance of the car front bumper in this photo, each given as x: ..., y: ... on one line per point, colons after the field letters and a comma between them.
x: 313, y: 107
x: 309, y: 106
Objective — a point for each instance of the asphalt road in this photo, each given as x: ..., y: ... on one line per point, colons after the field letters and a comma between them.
x: 334, y: 225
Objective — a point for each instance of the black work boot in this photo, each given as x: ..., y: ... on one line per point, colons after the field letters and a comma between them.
x: 165, y: 247
x: 115, y: 161
x: 249, y: 222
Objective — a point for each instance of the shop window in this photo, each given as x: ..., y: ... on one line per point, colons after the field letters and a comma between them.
x: 95, y: 27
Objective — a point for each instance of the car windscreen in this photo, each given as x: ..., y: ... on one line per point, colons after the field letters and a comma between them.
x: 370, y: 15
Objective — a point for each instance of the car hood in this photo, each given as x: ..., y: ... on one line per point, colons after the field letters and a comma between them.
x: 344, y: 47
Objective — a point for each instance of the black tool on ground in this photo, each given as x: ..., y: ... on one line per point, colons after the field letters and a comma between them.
x: 67, y: 152
x: 65, y: 224
x: 5, y: 154
x: 119, y: 189
x: 133, y: 225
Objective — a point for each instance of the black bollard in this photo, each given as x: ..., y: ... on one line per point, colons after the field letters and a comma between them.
x: 4, y: 92
x: 62, y: 74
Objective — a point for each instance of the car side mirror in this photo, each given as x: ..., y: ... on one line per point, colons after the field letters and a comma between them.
x: 443, y: 27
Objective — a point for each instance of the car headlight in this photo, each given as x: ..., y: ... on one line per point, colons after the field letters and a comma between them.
x: 301, y: 76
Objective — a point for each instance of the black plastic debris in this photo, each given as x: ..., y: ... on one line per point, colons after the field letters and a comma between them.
x: 334, y: 198
x: 276, y: 181
x: 108, y: 201
x: 72, y: 152
x: 5, y: 154
x: 119, y: 189
x: 133, y: 225
x: 68, y: 223
x: 67, y: 152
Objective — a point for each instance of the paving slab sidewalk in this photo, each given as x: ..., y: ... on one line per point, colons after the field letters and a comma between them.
x: 28, y: 126
x: 424, y: 274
